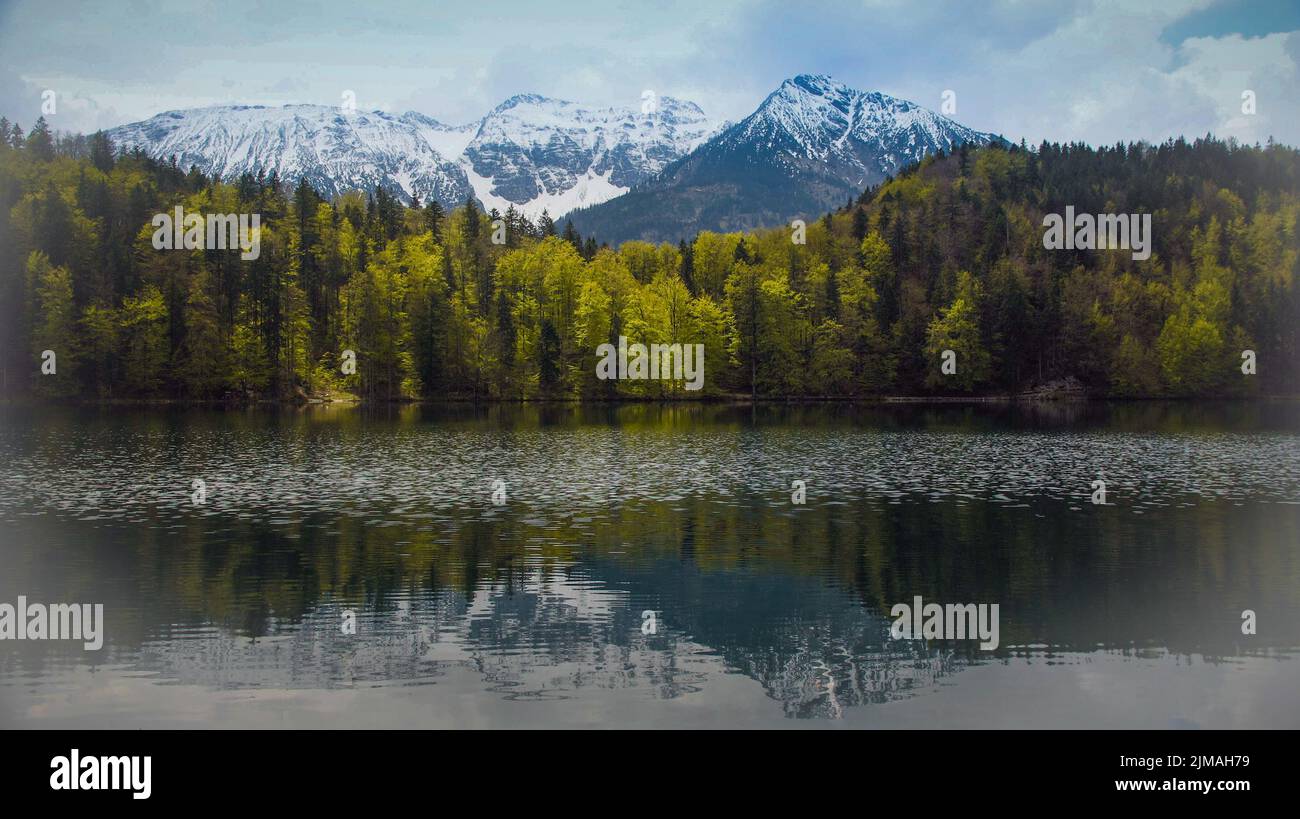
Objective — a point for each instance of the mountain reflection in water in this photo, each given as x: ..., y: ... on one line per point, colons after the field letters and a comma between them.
x: 680, y: 510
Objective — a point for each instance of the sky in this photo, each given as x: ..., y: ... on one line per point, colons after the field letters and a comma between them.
x: 1097, y: 71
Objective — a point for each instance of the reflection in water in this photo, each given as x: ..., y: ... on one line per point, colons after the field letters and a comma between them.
x: 683, y: 510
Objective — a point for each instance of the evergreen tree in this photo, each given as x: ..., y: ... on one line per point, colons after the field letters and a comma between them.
x: 687, y: 253
x: 101, y: 152
x: 433, y: 216
x: 860, y: 224
x: 39, y: 142
x: 549, y: 358
x: 571, y: 236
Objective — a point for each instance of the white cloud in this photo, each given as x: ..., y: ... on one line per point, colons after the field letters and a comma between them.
x: 1220, y: 70
x: 1092, y: 71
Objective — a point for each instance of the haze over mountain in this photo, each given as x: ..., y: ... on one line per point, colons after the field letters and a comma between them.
x: 531, y: 152
x: 618, y: 173
x: 811, y: 145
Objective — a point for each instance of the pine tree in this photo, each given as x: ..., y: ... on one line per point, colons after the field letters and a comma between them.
x: 688, y: 265
x: 549, y: 358
x: 39, y: 142
x: 742, y: 252
x: 860, y: 224
x: 471, y: 216
x: 832, y: 295
x: 571, y: 235
x: 512, y: 227
x: 433, y: 216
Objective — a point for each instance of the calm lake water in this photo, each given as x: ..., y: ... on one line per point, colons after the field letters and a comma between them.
x: 767, y: 613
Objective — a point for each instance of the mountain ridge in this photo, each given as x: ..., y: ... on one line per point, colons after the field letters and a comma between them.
x: 811, y: 144
x: 530, y: 152
x: 660, y: 173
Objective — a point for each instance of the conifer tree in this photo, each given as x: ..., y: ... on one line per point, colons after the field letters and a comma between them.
x: 40, y: 143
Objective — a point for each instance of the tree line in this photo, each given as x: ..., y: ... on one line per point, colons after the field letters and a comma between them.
x: 448, y: 301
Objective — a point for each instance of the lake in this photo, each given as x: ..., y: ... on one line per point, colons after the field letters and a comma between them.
x: 648, y: 566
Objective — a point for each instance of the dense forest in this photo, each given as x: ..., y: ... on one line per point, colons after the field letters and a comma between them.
x: 453, y: 302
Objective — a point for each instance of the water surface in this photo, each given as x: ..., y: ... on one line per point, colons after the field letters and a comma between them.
x: 529, y: 613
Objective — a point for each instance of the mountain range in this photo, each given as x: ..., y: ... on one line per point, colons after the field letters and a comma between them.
x: 661, y: 173
x: 531, y: 152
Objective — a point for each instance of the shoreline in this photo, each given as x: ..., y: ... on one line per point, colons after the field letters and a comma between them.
x: 629, y: 401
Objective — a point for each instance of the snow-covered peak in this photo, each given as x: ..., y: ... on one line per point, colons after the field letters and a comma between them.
x: 813, y: 116
x: 813, y: 143
x: 533, y: 120
x: 524, y: 99
x: 333, y: 148
x: 538, y: 153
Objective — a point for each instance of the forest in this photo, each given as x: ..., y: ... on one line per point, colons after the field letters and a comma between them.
x: 445, y: 301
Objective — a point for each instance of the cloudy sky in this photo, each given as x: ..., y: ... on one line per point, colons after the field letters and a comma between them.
x: 1099, y: 71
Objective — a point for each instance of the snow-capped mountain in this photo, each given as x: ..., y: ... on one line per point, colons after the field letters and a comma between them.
x: 334, y: 149
x: 530, y: 152
x: 812, y: 144
x: 860, y: 137
x: 620, y: 173
x: 538, y: 153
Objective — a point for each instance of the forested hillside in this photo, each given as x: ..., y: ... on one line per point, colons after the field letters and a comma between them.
x: 947, y: 256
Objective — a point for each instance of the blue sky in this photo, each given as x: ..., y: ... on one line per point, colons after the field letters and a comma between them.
x: 1093, y: 70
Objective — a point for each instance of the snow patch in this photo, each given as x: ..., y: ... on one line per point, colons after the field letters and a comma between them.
x: 591, y: 189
